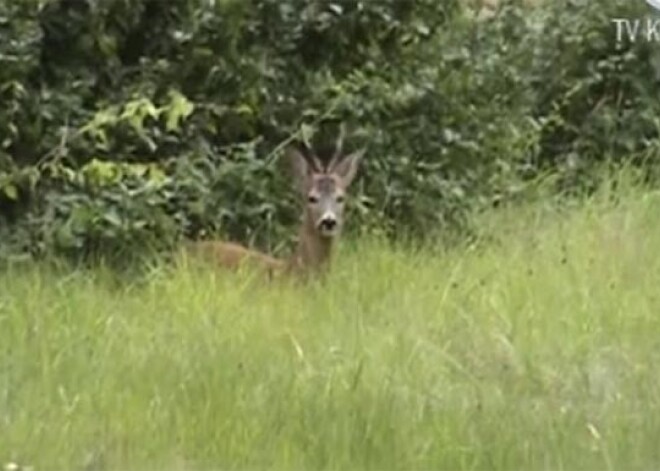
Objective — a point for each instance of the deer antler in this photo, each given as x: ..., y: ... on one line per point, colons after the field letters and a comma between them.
x: 311, y: 159
x: 339, y: 148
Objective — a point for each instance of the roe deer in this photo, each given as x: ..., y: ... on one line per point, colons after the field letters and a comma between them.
x: 323, y: 187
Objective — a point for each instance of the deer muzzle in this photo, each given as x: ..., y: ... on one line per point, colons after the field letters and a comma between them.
x: 328, y: 224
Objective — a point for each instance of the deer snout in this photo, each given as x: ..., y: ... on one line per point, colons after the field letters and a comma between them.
x: 328, y: 223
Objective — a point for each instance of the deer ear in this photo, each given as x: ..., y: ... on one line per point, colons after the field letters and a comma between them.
x: 347, y: 167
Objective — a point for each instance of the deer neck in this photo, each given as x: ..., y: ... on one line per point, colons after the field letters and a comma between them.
x: 313, y: 251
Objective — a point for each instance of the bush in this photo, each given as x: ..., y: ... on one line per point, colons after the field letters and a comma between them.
x: 129, y: 124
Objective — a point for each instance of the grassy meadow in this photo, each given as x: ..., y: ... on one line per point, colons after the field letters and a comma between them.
x: 537, y: 346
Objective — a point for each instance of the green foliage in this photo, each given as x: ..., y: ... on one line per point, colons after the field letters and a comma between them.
x: 128, y: 124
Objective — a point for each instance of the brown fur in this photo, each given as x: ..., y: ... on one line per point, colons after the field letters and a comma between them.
x: 232, y: 256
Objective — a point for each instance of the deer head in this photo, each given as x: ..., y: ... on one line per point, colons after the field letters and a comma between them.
x: 324, y: 186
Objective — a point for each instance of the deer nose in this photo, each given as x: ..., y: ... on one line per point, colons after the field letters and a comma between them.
x: 328, y: 223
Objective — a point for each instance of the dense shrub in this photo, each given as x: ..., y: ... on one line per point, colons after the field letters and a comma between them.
x: 127, y: 124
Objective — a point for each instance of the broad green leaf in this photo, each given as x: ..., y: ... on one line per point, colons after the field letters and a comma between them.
x: 179, y: 108
x: 10, y: 191
x: 307, y: 132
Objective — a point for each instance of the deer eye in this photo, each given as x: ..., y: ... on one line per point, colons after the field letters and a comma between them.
x: 313, y: 199
x: 340, y: 199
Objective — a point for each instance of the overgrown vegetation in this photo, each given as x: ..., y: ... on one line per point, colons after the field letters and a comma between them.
x: 127, y: 124
x: 534, y: 347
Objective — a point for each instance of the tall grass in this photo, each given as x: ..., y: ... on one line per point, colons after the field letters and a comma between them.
x: 535, y: 347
